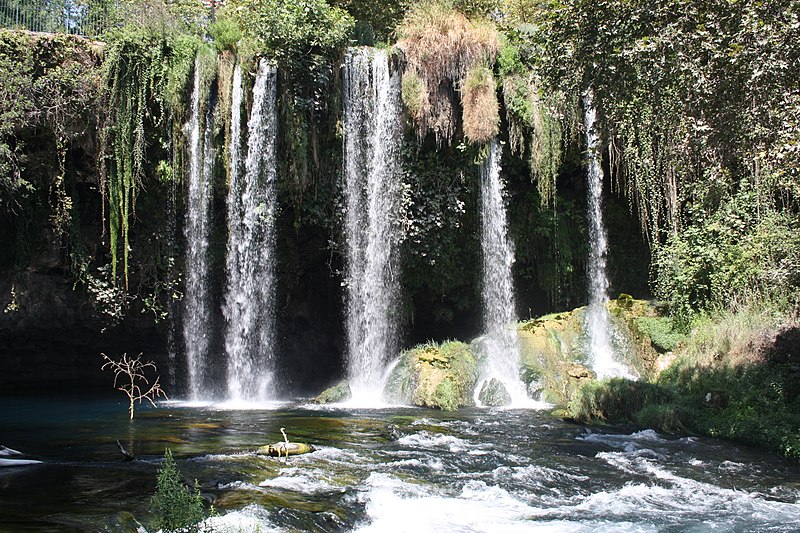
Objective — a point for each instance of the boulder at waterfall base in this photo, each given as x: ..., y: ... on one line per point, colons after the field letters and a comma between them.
x: 441, y: 376
x: 494, y: 394
x: 336, y: 394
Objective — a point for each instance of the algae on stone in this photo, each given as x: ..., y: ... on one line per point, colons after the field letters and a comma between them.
x: 554, y: 348
x: 338, y: 393
x: 432, y: 375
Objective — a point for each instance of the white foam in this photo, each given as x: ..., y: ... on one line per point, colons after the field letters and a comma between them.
x: 247, y: 520
x: 629, y: 443
x: 428, y: 440
x: 393, y: 506
x: 8, y: 452
x: 670, y: 495
x: 301, y: 480
x: 18, y: 462
x: 228, y: 405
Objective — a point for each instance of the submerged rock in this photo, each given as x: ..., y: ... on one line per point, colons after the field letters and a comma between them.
x: 494, y: 394
x: 336, y: 394
x: 432, y: 375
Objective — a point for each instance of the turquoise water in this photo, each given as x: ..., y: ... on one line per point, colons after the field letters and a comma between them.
x: 393, y: 469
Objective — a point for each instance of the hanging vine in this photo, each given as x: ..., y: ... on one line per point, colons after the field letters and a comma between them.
x: 146, y: 69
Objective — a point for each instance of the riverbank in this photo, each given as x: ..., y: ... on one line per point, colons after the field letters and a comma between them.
x: 735, y: 375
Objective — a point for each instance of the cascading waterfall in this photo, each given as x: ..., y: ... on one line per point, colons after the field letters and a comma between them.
x: 197, y: 315
x: 249, y: 302
x: 598, y: 322
x: 372, y: 143
x: 500, y: 342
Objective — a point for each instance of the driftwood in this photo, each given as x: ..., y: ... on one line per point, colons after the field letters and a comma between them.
x: 128, y: 455
x: 285, y: 449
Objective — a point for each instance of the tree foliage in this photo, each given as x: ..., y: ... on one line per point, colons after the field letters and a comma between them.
x: 700, y: 104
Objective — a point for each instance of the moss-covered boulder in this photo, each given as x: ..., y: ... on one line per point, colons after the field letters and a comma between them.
x: 431, y: 375
x: 554, y: 349
x: 338, y: 393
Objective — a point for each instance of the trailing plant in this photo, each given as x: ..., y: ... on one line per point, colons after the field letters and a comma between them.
x: 48, y: 91
x: 441, y: 46
x: 479, y: 102
x: 696, y: 102
x: 145, y: 74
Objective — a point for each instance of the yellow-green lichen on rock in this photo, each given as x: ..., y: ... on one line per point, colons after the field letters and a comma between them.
x: 441, y: 376
x: 554, y: 348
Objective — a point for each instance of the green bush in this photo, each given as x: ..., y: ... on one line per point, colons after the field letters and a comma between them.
x: 175, y: 506
x: 290, y: 30
x: 660, y: 332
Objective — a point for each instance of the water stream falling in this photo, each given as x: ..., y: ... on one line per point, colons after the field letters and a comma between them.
x: 196, y: 317
x: 598, y: 322
x: 249, y: 301
x: 373, y: 135
x: 500, y: 342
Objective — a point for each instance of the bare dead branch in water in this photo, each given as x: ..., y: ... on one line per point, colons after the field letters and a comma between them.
x: 131, y: 370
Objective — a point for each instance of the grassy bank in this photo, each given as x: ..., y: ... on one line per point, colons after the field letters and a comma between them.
x: 736, y: 376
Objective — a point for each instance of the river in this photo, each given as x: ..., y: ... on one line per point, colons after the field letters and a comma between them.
x: 392, y: 469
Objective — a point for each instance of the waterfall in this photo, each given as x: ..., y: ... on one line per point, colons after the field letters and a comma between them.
x: 196, y: 321
x: 372, y: 143
x: 250, y: 297
x: 598, y: 322
x: 499, y: 343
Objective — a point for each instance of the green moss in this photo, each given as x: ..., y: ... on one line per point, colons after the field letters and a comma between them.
x: 338, y: 393
x: 660, y: 331
x: 438, y: 376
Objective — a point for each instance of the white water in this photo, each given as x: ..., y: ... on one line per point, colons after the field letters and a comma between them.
x: 196, y: 314
x: 499, y: 342
x: 372, y: 142
x: 598, y: 323
x: 250, y: 297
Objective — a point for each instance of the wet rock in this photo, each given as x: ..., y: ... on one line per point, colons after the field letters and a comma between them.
x: 338, y: 393
x: 431, y: 375
x: 554, y: 348
x: 494, y: 394
x: 535, y: 388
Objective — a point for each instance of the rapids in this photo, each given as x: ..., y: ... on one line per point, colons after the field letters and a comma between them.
x: 391, y: 469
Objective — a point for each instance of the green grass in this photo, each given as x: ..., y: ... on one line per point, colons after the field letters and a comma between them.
x: 731, y: 380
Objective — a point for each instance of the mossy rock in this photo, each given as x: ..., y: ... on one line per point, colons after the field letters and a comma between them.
x: 432, y: 375
x: 554, y: 348
x: 338, y: 393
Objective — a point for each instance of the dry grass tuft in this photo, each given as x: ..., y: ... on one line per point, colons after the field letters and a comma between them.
x: 441, y: 47
x: 481, y: 109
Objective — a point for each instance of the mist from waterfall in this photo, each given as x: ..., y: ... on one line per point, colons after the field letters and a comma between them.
x: 372, y: 171
x: 499, y: 342
x: 250, y: 265
x: 197, y: 230
x: 598, y: 322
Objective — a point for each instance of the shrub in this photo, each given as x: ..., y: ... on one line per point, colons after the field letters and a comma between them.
x: 176, y: 508
x: 290, y: 30
x: 660, y: 331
